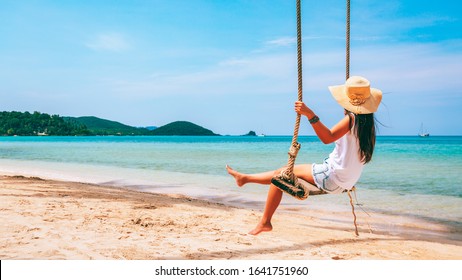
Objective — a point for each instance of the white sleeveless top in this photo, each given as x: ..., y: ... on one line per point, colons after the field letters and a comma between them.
x: 345, y: 161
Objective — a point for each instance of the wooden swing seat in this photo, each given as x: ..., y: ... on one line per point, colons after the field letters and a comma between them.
x: 313, y: 190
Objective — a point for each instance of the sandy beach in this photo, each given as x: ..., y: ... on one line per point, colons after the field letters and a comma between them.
x: 46, y: 219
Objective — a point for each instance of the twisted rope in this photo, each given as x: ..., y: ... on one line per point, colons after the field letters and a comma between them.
x: 288, y: 173
x: 347, y: 64
x: 347, y: 73
x: 353, y: 211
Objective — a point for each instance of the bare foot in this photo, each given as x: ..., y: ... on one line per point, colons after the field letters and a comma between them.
x: 260, y: 228
x: 237, y: 176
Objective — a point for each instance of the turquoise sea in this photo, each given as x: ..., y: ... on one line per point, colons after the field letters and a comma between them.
x: 410, y: 178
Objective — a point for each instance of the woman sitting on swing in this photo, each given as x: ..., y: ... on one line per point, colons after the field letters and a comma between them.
x: 354, y: 137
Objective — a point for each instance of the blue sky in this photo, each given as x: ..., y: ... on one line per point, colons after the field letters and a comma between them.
x: 230, y: 65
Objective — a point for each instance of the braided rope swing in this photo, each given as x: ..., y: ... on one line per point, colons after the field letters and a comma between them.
x: 347, y: 75
x: 287, y: 181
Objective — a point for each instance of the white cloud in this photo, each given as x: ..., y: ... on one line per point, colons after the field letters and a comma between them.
x: 412, y: 68
x: 282, y: 42
x: 109, y: 42
x: 421, y: 21
x: 258, y: 74
x: 289, y: 42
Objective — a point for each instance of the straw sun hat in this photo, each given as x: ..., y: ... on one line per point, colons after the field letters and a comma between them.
x: 357, y: 96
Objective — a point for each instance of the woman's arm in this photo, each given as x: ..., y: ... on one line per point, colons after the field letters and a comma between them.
x: 325, y: 134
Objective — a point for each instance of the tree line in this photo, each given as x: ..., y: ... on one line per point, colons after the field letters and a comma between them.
x: 30, y: 124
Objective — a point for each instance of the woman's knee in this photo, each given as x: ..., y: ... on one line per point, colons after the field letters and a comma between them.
x: 279, y: 171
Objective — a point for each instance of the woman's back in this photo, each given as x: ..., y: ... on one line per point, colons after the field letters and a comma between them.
x: 345, y: 161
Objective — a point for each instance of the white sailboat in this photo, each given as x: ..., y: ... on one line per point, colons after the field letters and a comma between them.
x: 422, y: 132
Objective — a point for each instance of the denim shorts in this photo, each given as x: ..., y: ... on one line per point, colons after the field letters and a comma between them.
x: 321, y: 176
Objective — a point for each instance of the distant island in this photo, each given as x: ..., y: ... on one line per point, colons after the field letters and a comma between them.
x: 182, y: 128
x: 98, y: 126
x: 41, y: 124
x: 29, y: 124
x: 251, y: 133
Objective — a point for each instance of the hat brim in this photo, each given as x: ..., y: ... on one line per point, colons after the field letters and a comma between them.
x: 370, y: 106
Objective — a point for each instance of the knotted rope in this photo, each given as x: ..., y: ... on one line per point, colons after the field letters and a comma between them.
x: 353, y: 211
x: 295, y: 146
x: 287, y: 181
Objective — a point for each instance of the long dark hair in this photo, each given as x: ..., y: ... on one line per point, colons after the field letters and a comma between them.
x: 365, y: 132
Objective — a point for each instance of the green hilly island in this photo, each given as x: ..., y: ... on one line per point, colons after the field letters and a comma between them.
x: 99, y: 126
x: 30, y: 124
x: 182, y: 128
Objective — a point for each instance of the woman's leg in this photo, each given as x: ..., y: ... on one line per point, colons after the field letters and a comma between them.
x: 258, y: 178
x: 272, y: 202
x: 274, y: 197
x: 302, y: 171
x: 305, y: 172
